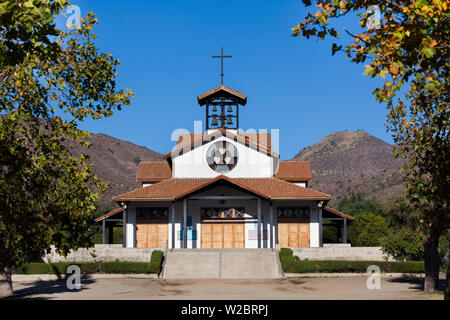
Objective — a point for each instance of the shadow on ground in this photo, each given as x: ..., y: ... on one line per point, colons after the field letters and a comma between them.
x: 47, y: 288
x: 417, y: 283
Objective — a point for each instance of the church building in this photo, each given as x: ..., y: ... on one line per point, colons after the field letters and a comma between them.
x: 223, y: 188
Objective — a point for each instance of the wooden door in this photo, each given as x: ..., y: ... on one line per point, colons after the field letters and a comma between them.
x: 222, y: 234
x: 293, y: 233
x: 151, y: 233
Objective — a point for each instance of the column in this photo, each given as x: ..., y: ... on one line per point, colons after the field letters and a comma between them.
x: 103, y: 231
x: 320, y: 228
x: 124, y: 227
x: 171, y: 244
x: 185, y: 223
x: 344, y: 234
x: 272, y: 235
x: 259, y: 223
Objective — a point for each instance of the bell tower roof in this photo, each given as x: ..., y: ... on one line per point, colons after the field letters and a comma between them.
x: 222, y: 92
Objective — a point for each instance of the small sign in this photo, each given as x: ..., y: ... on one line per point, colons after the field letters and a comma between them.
x: 191, y: 235
x: 253, y: 235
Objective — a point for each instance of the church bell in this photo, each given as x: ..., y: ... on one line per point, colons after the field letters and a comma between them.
x: 214, y: 121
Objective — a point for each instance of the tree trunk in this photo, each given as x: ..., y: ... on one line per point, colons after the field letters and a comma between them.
x: 431, y: 246
x: 5, y: 282
x: 447, y: 281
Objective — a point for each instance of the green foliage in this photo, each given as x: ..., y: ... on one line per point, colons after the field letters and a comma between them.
x: 292, y: 264
x: 367, y: 230
x: 47, y: 193
x: 329, y: 232
x: 100, y: 209
x: 154, y: 266
x: 156, y: 261
x: 404, y: 245
x: 136, y: 160
x: 86, y: 268
x: 356, y: 204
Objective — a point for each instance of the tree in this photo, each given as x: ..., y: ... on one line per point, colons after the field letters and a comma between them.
x: 47, y: 195
x: 408, y: 45
x: 403, y: 245
x: 368, y: 230
x: 356, y: 204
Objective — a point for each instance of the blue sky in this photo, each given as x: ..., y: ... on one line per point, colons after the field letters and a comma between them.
x: 292, y: 84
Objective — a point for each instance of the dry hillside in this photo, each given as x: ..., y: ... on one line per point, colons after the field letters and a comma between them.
x: 353, y: 161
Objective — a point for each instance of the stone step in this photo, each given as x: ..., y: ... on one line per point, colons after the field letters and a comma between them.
x: 222, y: 264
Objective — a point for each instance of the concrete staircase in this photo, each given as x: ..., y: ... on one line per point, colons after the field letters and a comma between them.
x: 222, y: 264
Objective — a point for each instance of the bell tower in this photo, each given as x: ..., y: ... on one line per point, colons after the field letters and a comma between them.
x: 222, y: 107
x: 222, y: 104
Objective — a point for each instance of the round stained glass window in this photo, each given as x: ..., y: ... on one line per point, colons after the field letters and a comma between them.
x: 222, y: 156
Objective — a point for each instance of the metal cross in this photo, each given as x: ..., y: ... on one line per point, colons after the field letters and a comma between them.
x: 221, y: 58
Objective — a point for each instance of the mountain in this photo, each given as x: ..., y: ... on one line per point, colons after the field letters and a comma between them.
x: 353, y: 161
x: 115, y: 162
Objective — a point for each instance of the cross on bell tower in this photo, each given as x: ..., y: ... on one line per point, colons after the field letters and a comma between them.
x: 221, y: 63
x: 222, y: 104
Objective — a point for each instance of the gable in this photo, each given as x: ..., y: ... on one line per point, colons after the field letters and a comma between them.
x: 248, y: 162
x: 187, y: 142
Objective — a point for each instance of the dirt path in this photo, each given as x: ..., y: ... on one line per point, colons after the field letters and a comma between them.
x: 287, y: 289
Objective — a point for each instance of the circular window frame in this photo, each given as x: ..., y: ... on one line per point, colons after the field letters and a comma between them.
x: 230, y: 151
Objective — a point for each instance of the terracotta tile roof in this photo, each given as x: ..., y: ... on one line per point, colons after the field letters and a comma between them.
x: 294, y: 171
x: 268, y: 188
x: 242, y: 98
x: 259, y: 141
x: 153, y: 171
x: 331, y: 210
x: 109, y: 214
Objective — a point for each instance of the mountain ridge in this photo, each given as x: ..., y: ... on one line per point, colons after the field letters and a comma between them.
x: 353, y: 161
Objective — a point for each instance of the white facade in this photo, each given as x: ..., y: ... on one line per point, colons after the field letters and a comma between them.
x: 251, y: 163
x: 234, y: 198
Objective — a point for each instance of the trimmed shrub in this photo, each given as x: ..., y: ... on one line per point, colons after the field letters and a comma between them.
x: 156, y: 261
x: 60, y: 268
x: 292, y: 264
x: 124, y: 267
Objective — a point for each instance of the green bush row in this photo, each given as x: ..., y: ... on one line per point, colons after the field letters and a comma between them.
x: 154, y: 266
x: 292, y: 264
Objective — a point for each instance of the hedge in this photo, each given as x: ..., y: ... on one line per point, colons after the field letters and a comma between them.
x: 292, y: 264
x: 154, y: 266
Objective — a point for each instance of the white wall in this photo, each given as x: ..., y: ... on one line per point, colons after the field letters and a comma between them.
x: 131, y: 227
x: 251, y: 163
